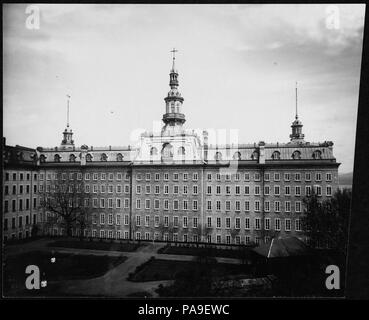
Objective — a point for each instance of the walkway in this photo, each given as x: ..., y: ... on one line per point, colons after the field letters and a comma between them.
x: 114, y: 282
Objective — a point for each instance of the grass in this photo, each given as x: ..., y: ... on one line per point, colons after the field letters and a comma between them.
x: 96, y: 245
x: 159, y: 269
x: 66, y: 267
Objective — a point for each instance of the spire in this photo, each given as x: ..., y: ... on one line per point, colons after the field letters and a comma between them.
x: 296, y: 117
x: 68, y: 97
x: 67, y: 141
x: 174, y: 58
x: 173, y: 117
x: 296, y: 135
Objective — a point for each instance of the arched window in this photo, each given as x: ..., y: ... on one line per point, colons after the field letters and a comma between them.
x: 42, y: 158
x: 296, y: 155
x: 88, y: 157
x: 153, y: 151
x: 276, y: 155
x: 218, y: 156
x: 20, y: 155
x: 72, y: 158
x: 237, y: 156
x: 57, y: 158
x: 119, y: 157
x: 255, y: 155
x: 167, y: 151
x: 317, y: 154
x: 181, y: 151
x: 103, y: 157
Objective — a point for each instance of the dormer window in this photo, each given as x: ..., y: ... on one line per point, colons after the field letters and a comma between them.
x: 218, y: 156
x: 237, y: 156
x: 103, y: 157
x: 42, y: 158
x: 119, y: 157
x: 255, y: 155
x: 296, y: 155
x: 153, y: 151
x: 72, y: 158
x: 181, y: 151
x: 276, y: 155
x: 317, y: 154
x: 57, y: 158
x: 88, y: 157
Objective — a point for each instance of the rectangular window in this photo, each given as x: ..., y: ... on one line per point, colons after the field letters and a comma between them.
x: 138, y: 221
x: 328, y: 177
x: 267, y: 223
x: 175, y: 189
x: 257, y: 205
x: 194, y: 205
x: 228, y: 205
x: 266, y: 176
x: 148, y: 176
x: 218, y: 204
x: 287, y: 190
x: 287, y: 224
x: 166, y: 189
x: 208, y: 190
x: 237, y: 223
x: 247, y: 206
x: 267, y: 206
x: 297, y: 225
x: 277, y: 206
x: 318, y: 176
x: 175, y: 176
x: 157, y: 176
x: 185, y: 176
x: 257, y: 190
x: 257, y: 176
x: 110, y: 219
x: 175, y: 205
x: 219, y: 222
x: 307, y: 190
x: 257, y: 224
x: 328, y: 191
x: 147, y: 204
x: 247, y: 223
x: 247, y: 190
x: 297, y: 191
x: 126, y: 219
x: 208, y: 204
x: 147, y: 221
x: 156, y: 221
x: 218, y: 190
x: 102, y: 218
x: 166, y: 204
x: 247, y: 176
x: 156, y: 204
x: 277, y: 224
x: 185, y: 204
x: 147, y: 189
x: 287, y: 205
x: 185, y: 222
x: 298, y: 206
x: 238, y: 206
x: 102, y: 203
x: 138, y: 203
x: 195, y: 177
x: 208, y: 176
x: 195, y: 190
x: 276, y: 190
x: 208, y: 222
x: 297, y: 177
x: 195, y: 222
x: 307, y: 176
x: 110, y: 203
x: 228, y: 222
x: 266, y: 190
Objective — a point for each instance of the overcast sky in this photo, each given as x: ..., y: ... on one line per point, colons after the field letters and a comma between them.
x: 237, y: 70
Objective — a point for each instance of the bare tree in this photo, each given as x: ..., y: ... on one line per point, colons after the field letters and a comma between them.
x: 65, y: 198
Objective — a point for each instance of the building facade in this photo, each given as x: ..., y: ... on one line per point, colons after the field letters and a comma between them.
x: 20, y: 192
x: 175, y: 186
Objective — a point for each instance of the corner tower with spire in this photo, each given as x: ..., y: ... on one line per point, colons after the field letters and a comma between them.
x: 173, y: 117
x: 297, y: 136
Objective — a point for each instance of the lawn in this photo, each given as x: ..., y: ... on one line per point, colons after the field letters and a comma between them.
x: 160, y: 269
x: 236, y: 253
x: 66, y: 267
x: 96, y: 245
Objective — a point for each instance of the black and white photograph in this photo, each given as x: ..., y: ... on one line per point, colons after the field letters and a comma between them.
x: 178, y: 150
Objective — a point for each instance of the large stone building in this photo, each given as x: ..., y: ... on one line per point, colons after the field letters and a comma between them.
x: 176, y: 186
